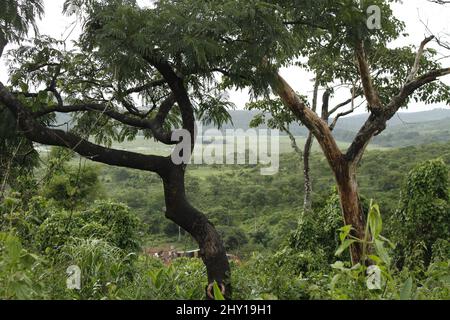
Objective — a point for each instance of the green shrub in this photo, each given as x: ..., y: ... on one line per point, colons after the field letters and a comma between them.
x: 57, y: 229
x: 316, y: 231
x: 184, y: 279
x: 423, y: 216
x: 104, y: 268
x: 123, y: 225
x: 72, y: 187
x: 18, y: 270
x: 108, y: 221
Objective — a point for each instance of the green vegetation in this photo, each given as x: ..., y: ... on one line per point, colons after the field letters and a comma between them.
x: 375, y: 227
x: 284, y: 253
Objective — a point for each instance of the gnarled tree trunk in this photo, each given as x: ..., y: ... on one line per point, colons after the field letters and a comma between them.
x: 180, y: 211
x: 345, y: 173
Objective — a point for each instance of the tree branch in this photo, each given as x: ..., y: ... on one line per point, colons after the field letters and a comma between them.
x: 165, y: 109
x: 325, y: 105
x: 369, y: 91
x: 309, y: 118
x: 346, y: 113
x: 416, y: 66
x: 154, y: 125
x: 315, y: 93
x: 340, y: 105
x: 52, y: 87
x: 377, y: 122
x: 176, y: 84
x: 338, y: 116
x: 412, y: 86
x: 3, y: 42
x: 40, y: 134
x: 294, y: 144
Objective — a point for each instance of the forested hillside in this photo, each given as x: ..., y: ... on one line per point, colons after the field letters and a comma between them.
x: 82, y: 211
x: 262, y: 210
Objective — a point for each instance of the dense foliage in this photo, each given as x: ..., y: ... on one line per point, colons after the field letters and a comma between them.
x: 149, y: 70
x: 41, y: 238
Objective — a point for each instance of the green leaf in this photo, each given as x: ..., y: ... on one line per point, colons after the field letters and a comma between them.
x: 375, y: 221
x: 406, y: 292
x: 24, y: 87
x: 42, y: 97
x: 345, y: 231
x: 217, y: 293
x: 391, y: 244
x: 381, y: 251
x: 375, y: 259
x: 344, y: 246
x: 338, y: 265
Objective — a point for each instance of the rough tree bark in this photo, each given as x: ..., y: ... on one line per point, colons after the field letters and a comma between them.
x: 307, y: 187
x: 307, y: 201
x: 345, y: 174
x: 180, y: 211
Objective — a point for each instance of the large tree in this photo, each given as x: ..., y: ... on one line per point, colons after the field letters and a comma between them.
x: 121, y: 79
x: 390, y: 78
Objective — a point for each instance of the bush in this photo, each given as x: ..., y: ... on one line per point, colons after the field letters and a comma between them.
x: 55, y: 231
x: 24, y: 217
x: 104, y: 268
x: 184, y: 279
x: 122, y: 224
x: 316, y: 231
x: 108, y: 221
x: 72, y: 187
x: 275, y: 277
x: 18, y: 270
x: 423, y: 217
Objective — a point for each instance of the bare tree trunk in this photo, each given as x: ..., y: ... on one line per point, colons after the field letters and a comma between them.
x: 294, y: 144
x: 352, y: 210
x: 304, y: 156
x: 180, y: 211
x: 307, y: 202
x: 307, y: 186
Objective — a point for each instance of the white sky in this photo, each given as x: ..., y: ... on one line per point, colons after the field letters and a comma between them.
x: 437, y: 18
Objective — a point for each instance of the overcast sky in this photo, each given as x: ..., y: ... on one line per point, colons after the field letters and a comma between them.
x: 437, y: 18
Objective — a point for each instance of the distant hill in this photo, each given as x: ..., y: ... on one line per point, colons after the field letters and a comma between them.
x: 354, y: 123
x: 242, y: 118
x: 405, y: 129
